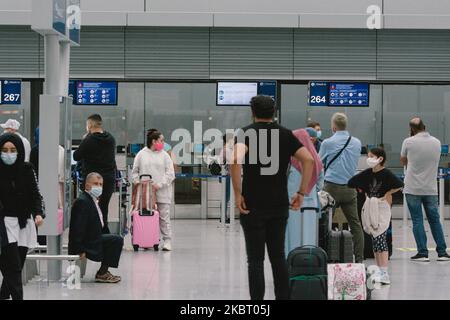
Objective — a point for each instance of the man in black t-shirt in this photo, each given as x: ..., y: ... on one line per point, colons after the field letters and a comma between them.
x: 264, y: 150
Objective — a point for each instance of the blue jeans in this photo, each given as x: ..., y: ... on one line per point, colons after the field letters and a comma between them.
x: 430, y: 204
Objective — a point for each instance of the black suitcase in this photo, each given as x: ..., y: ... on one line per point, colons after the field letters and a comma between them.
x: 338, y: 244
x: 307, y: 268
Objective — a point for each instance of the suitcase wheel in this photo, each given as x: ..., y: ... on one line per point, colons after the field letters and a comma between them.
x: 135, y: 247
x: 156, y: 247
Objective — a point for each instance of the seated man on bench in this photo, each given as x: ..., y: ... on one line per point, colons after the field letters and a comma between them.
x: 85, y: 234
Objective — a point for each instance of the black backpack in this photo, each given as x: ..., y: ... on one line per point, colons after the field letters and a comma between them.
x: 307, y: 267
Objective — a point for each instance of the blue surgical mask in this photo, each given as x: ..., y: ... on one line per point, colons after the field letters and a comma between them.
x: 96, y: 192
x: 319, y: 134
x: 9, y: 158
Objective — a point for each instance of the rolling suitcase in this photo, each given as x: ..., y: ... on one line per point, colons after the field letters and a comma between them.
x: 339, y: 243
x: 307, y: 267
x: 144, y: 217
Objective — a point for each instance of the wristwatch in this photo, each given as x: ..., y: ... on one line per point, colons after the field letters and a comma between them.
x: 301, y: 193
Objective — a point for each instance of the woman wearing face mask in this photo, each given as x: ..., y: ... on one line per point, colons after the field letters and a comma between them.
x: 20, y: 211
x: 379, y: 183
x: 153, y: 160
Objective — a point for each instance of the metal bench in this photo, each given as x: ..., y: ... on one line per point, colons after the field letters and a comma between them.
x: 73, y: 259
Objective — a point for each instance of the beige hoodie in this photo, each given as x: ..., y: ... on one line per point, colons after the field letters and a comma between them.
x: 375, y: 216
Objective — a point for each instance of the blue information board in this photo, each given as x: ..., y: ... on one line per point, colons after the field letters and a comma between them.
x: 268, y: 88
x: 96, y: 93
x: 338, y: 94
x: 10, y: 92
x: 349, y: 94
x: 318, y: 94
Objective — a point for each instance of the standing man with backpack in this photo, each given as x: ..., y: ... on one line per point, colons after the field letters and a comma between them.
x: 340, y: 154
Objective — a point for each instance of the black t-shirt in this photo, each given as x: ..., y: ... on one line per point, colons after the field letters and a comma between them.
x: 375, y: 184
x: 264, y: 184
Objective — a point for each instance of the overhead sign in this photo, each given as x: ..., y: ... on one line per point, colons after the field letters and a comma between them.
x: 73, y: 21
x: 268, y: 88
x: 10, y: 92
x: 239, y: 93
x: 338, y: 94
x: 59, y: 16
x: 318, y: 94
x: 96, y: 93
x: 236, y: 93
x: 349, y: 94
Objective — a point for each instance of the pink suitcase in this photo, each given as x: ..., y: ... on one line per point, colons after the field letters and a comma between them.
x: 144, y: 216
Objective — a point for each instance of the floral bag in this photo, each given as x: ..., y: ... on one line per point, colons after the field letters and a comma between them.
x: 347, y: 281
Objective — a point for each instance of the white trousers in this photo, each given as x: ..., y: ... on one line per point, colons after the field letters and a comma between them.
x: 164, y: 220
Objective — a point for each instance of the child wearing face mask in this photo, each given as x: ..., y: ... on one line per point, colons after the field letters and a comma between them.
x: 378, y: 183
x: 154, y: 161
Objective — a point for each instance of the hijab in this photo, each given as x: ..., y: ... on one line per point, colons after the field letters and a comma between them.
x: 13, y: 173
x: 303, y: 136
x: 10, y: 171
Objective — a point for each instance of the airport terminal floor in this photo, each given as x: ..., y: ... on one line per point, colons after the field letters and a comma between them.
x: 208, y: 262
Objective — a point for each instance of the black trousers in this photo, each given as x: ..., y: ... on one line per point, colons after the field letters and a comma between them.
x: 11, y: 267
x: 261, y: 228
x: 112, y: 249
x: 109, y: 184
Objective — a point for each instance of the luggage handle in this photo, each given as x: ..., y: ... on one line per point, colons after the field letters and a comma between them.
x: 146, y: 212
x: 309, y: 208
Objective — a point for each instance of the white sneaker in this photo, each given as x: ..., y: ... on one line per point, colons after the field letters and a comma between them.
x: 167, y: 246
x: 385, y: 278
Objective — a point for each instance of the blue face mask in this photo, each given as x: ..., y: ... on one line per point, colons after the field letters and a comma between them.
x: 96, y: 192
x: 9, y: 158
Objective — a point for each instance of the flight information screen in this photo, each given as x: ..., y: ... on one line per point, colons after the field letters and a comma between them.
x: 236, y: 93
x: 349, y: 94
x: 96, y: 93
x: 10, y: 92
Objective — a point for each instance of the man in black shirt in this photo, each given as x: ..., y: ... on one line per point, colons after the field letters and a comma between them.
x: 264, y: 149
x: 97, y: 152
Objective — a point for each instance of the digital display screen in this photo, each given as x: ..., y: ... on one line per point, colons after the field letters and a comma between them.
x: 240, y: 93
x: 236, y: 93
x: 96, y: 93
x: 10, y: 92
x: 349, y: 94
x: 337, y: 94
x: 318, y: 94
x: 444, y: 149
x: 268, y: 88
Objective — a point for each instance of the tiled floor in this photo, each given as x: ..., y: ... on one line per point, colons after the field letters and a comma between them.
x: 208, y: 262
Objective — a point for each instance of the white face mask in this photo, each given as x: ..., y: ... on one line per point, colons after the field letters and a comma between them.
x: 373, y: 162
x: 96, y: 192
x: 319, y: 134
